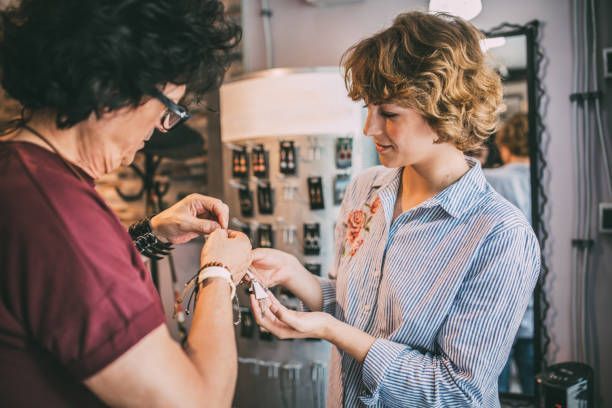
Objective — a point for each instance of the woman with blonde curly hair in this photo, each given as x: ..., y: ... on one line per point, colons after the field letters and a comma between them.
x: 433, y: 269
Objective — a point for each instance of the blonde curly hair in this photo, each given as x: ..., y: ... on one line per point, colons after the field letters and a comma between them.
x: 431, y: 63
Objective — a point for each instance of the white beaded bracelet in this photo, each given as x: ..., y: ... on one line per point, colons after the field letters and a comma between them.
x: 217, y: 272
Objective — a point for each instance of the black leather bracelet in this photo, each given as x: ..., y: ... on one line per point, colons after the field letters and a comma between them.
x: 146, y: 242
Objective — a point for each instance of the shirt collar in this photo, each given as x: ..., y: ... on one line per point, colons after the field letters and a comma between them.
x: 466, y: 192
x: 455, y: 199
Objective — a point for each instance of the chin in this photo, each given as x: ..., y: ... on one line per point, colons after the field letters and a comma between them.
x: 127, y: 160
x: 390, y: 162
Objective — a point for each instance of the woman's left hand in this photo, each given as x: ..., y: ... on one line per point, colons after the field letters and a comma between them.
x: 194, y: 215
x: 289, y: 324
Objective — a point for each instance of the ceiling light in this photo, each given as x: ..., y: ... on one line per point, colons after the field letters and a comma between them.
x: 466, y: 9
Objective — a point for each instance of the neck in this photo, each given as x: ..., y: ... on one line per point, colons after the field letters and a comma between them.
x: 69, y: 143
x: 422, y: 181
x: 517, y: 159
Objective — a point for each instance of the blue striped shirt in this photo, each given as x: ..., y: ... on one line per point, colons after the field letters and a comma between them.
x: 443, y: 288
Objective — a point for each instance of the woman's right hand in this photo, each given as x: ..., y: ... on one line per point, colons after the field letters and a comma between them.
x: 274, y: 267
x: 230, y: 248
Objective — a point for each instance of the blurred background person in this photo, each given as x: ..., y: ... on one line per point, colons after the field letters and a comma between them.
x: 512, y: 181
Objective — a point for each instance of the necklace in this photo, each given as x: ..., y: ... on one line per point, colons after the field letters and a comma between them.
x: 70, y: 166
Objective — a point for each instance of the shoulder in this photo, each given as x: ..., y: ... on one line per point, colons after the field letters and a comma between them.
x: 49, y: 212
x: 495, y: 214
x: 507, y: 227
x: 367, y: 180
x: 373, y: 175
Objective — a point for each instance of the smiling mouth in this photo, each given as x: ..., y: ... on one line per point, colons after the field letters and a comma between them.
x: 382, y: 147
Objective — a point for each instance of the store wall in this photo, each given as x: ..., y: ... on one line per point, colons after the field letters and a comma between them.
x: 309, y: 36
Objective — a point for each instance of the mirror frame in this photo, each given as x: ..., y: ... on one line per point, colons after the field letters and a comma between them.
x: 537, y: 103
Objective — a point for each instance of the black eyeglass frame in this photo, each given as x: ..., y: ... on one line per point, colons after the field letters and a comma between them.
x: 175, y: 108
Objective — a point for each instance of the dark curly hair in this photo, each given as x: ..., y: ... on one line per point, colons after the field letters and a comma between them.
x: 75, y: 57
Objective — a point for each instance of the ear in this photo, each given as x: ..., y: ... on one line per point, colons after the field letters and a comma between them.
x: 108, y: 119
x: 174, y: 91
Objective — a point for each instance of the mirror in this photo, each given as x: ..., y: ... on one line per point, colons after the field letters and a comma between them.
x: 514, y: 166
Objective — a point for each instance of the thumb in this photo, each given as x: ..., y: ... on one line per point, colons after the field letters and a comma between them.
x: 204, y: 226
x: 259, y: 254
x: 283, y: 314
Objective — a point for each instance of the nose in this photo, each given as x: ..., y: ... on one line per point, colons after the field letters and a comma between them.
x: 372, y: 125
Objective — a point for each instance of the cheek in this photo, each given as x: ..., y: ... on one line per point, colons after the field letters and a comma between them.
x: 402, y: 136
x: 142, y: 129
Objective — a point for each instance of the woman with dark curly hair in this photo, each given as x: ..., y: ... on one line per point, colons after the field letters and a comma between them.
x: 433, y: 268
x: 80, y: 321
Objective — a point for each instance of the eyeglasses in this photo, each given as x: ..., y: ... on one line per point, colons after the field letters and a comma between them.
x: 173, y: 116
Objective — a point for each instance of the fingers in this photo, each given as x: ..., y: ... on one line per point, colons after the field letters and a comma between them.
x: 218, y: 208
x: 219, y: 233
x: 233, y: 234
x: 206, y: 227
x: 261, y: 317
x: 283, y: 314
x: 270, y: 323
x: 259, y: 254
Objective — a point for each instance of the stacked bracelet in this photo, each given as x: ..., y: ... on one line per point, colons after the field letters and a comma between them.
x: 217, y: 271
x: 146, y: 242
x: 192, y: 287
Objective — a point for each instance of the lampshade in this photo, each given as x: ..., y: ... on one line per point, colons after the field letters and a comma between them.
x: 466, y: 9
x: 288, y: 102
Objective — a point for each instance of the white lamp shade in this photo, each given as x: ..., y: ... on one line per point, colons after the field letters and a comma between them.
x: 286, y: 102
x: 466, y: 9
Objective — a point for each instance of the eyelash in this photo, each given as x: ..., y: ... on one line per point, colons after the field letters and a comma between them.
x: 388, y: 115
x: 383, y: 113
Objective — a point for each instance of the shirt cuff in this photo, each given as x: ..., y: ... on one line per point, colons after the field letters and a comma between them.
x: 378, y: 361
x: 328, y: 290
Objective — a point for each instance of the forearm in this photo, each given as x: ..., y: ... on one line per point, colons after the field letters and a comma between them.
x: 407, y: 376
x: 211, y: 341
x: 305, y: 286
x: 408, y: 367
x: 348, y: 339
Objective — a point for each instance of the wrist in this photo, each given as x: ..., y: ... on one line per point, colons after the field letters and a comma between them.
x: 219, y: 272
x: 296, y: 273
x: 155, y: 228
x: 218, y: 283
x: 330, y: 328
x: 146, y: 240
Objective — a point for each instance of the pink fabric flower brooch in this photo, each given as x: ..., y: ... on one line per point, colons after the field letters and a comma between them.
x: 356, y: 223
